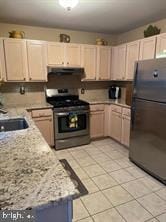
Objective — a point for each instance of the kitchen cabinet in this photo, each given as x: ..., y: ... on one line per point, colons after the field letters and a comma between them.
x: 16, y: 59
x: 103, y: 63
x: 89, y: 61
x: 55, y: 54
x: 107, y: 120
x: 116, y: 124
x: 96, y: 121
x: 118, y: 62
x: 2, y: 63
x: 73, y: 55
x: 131, y: 57
x: 44, y: 121
x: 161, y: 46
x: 64, y: 54
x: 37, y: 60
x: 147, y: 48
x: 125, y: 137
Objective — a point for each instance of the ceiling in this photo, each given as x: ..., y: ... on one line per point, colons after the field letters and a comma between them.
x: 107, y: 16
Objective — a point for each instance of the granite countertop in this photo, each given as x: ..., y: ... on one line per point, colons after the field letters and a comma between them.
x: 43, y: 105
x: 119, y: 102
x: 30, y: 174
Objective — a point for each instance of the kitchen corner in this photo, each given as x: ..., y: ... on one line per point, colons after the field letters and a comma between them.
x: 31, y: 175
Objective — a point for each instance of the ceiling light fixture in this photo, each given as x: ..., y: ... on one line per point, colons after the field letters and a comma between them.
x: 68, y: 4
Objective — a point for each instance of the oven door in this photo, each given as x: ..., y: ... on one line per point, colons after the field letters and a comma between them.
x: 71, y: 124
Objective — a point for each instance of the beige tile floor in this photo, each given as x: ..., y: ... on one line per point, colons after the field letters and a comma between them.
x: 119, y: 191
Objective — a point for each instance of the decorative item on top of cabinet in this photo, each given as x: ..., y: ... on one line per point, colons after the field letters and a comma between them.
x: 44, y: 121
x: 132, y: 56
x: 96, y: 121
x: 151, y: 30
x: 161, y: 46
x: 16, y: 60
x: 2, y: 64
x: 17, y: 34
x: 100, y: 41
x: 89, y: 61
x: 37, y: 67
x: 64, y: 38
x: 103, y: 63
x: 147, y: 48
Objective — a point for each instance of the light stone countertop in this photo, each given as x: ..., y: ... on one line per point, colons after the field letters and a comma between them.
x: 119, y: 102
x: 30, y: 174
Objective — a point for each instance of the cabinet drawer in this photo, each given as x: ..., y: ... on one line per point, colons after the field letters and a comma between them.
x: 126, y: 111
x: 99, y: 107
x: 41, y: 113
x: 117, y: 109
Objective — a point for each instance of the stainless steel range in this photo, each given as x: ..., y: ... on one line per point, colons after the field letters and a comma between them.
x: 71, y: 118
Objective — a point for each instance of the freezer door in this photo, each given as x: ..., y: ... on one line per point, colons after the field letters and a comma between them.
x: 148, y: 137
x: 150, y: 80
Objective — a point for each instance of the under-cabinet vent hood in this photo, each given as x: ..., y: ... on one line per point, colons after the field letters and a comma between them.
x: 65, y: 71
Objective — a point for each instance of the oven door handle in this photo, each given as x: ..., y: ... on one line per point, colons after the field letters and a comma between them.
x: 67, y: 113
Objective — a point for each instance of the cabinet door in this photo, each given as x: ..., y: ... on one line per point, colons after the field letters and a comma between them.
x: 114, y: 63
x: 45, y: 126
x: 16, y: 59
x: 116, y: 126
x: 89, y: 61
x: 104, y: 63
x: 97, y: 124
x: 2, y: 62
x: 55, y: 54
x: 125, y: 139
x: 132, y: 57
x: 161, y: 46
x: 147, y: 48
x: 121, y: 63
x: 37, y: 60
x: 73, y: 55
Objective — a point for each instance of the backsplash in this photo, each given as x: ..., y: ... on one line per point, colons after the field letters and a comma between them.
x: 34, y: 92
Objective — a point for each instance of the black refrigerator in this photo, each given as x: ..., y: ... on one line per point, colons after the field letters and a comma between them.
x: 148, y: 118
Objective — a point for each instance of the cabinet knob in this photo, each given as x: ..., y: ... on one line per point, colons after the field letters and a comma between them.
x: 30, y: 78
x: 67, y: 63
x: 24, y: 78
x: 62, y: 63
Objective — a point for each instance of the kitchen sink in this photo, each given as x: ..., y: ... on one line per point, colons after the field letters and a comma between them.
x: 13, y: 124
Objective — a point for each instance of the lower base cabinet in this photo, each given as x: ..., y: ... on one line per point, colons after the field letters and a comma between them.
x: 116, y: 126
x: 125, y: 138
x: 97, y: 121
x: 43, y: 119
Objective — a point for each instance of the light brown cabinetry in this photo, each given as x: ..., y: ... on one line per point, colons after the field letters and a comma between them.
x: 64, y: 54
x: 37, y: 60
x: 131, y: 57
x: 73, y: 55
x: 16, y: 59
x: 118, y: 62
x: 55, y: 54
x: 120, y: 124
x: 96, y: 121
x: 2, y: 62
x: 147, y: 48
x: 103, y: 63
x: 89, y: 61
x: 161, y: 46
x: 44, y: 121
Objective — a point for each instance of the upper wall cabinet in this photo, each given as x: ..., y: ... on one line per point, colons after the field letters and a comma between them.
x: 89, y: 61
x: 73, y: 55
x: 37, y: 60
x: 2, y: 62
x: 118, y: 62
x: 147, y: 48
x: 55, y: 54
x: 61, y: 54
x: 131, y: 58
x: 103, y: 63
x: 16, y: 59
x: 161, y: 46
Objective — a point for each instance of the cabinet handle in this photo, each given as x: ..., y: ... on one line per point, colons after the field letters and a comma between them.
x: 67, y: 63
x: 30, y: 78
x: 24, y: 78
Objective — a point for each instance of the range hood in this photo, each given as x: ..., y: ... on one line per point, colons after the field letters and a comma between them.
x: 65, y: 71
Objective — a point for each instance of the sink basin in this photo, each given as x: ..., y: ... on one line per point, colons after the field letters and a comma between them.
x: 13, y: 124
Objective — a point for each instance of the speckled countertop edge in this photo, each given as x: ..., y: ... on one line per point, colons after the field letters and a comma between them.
x: 114, y: 102
x: 31, y: 175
